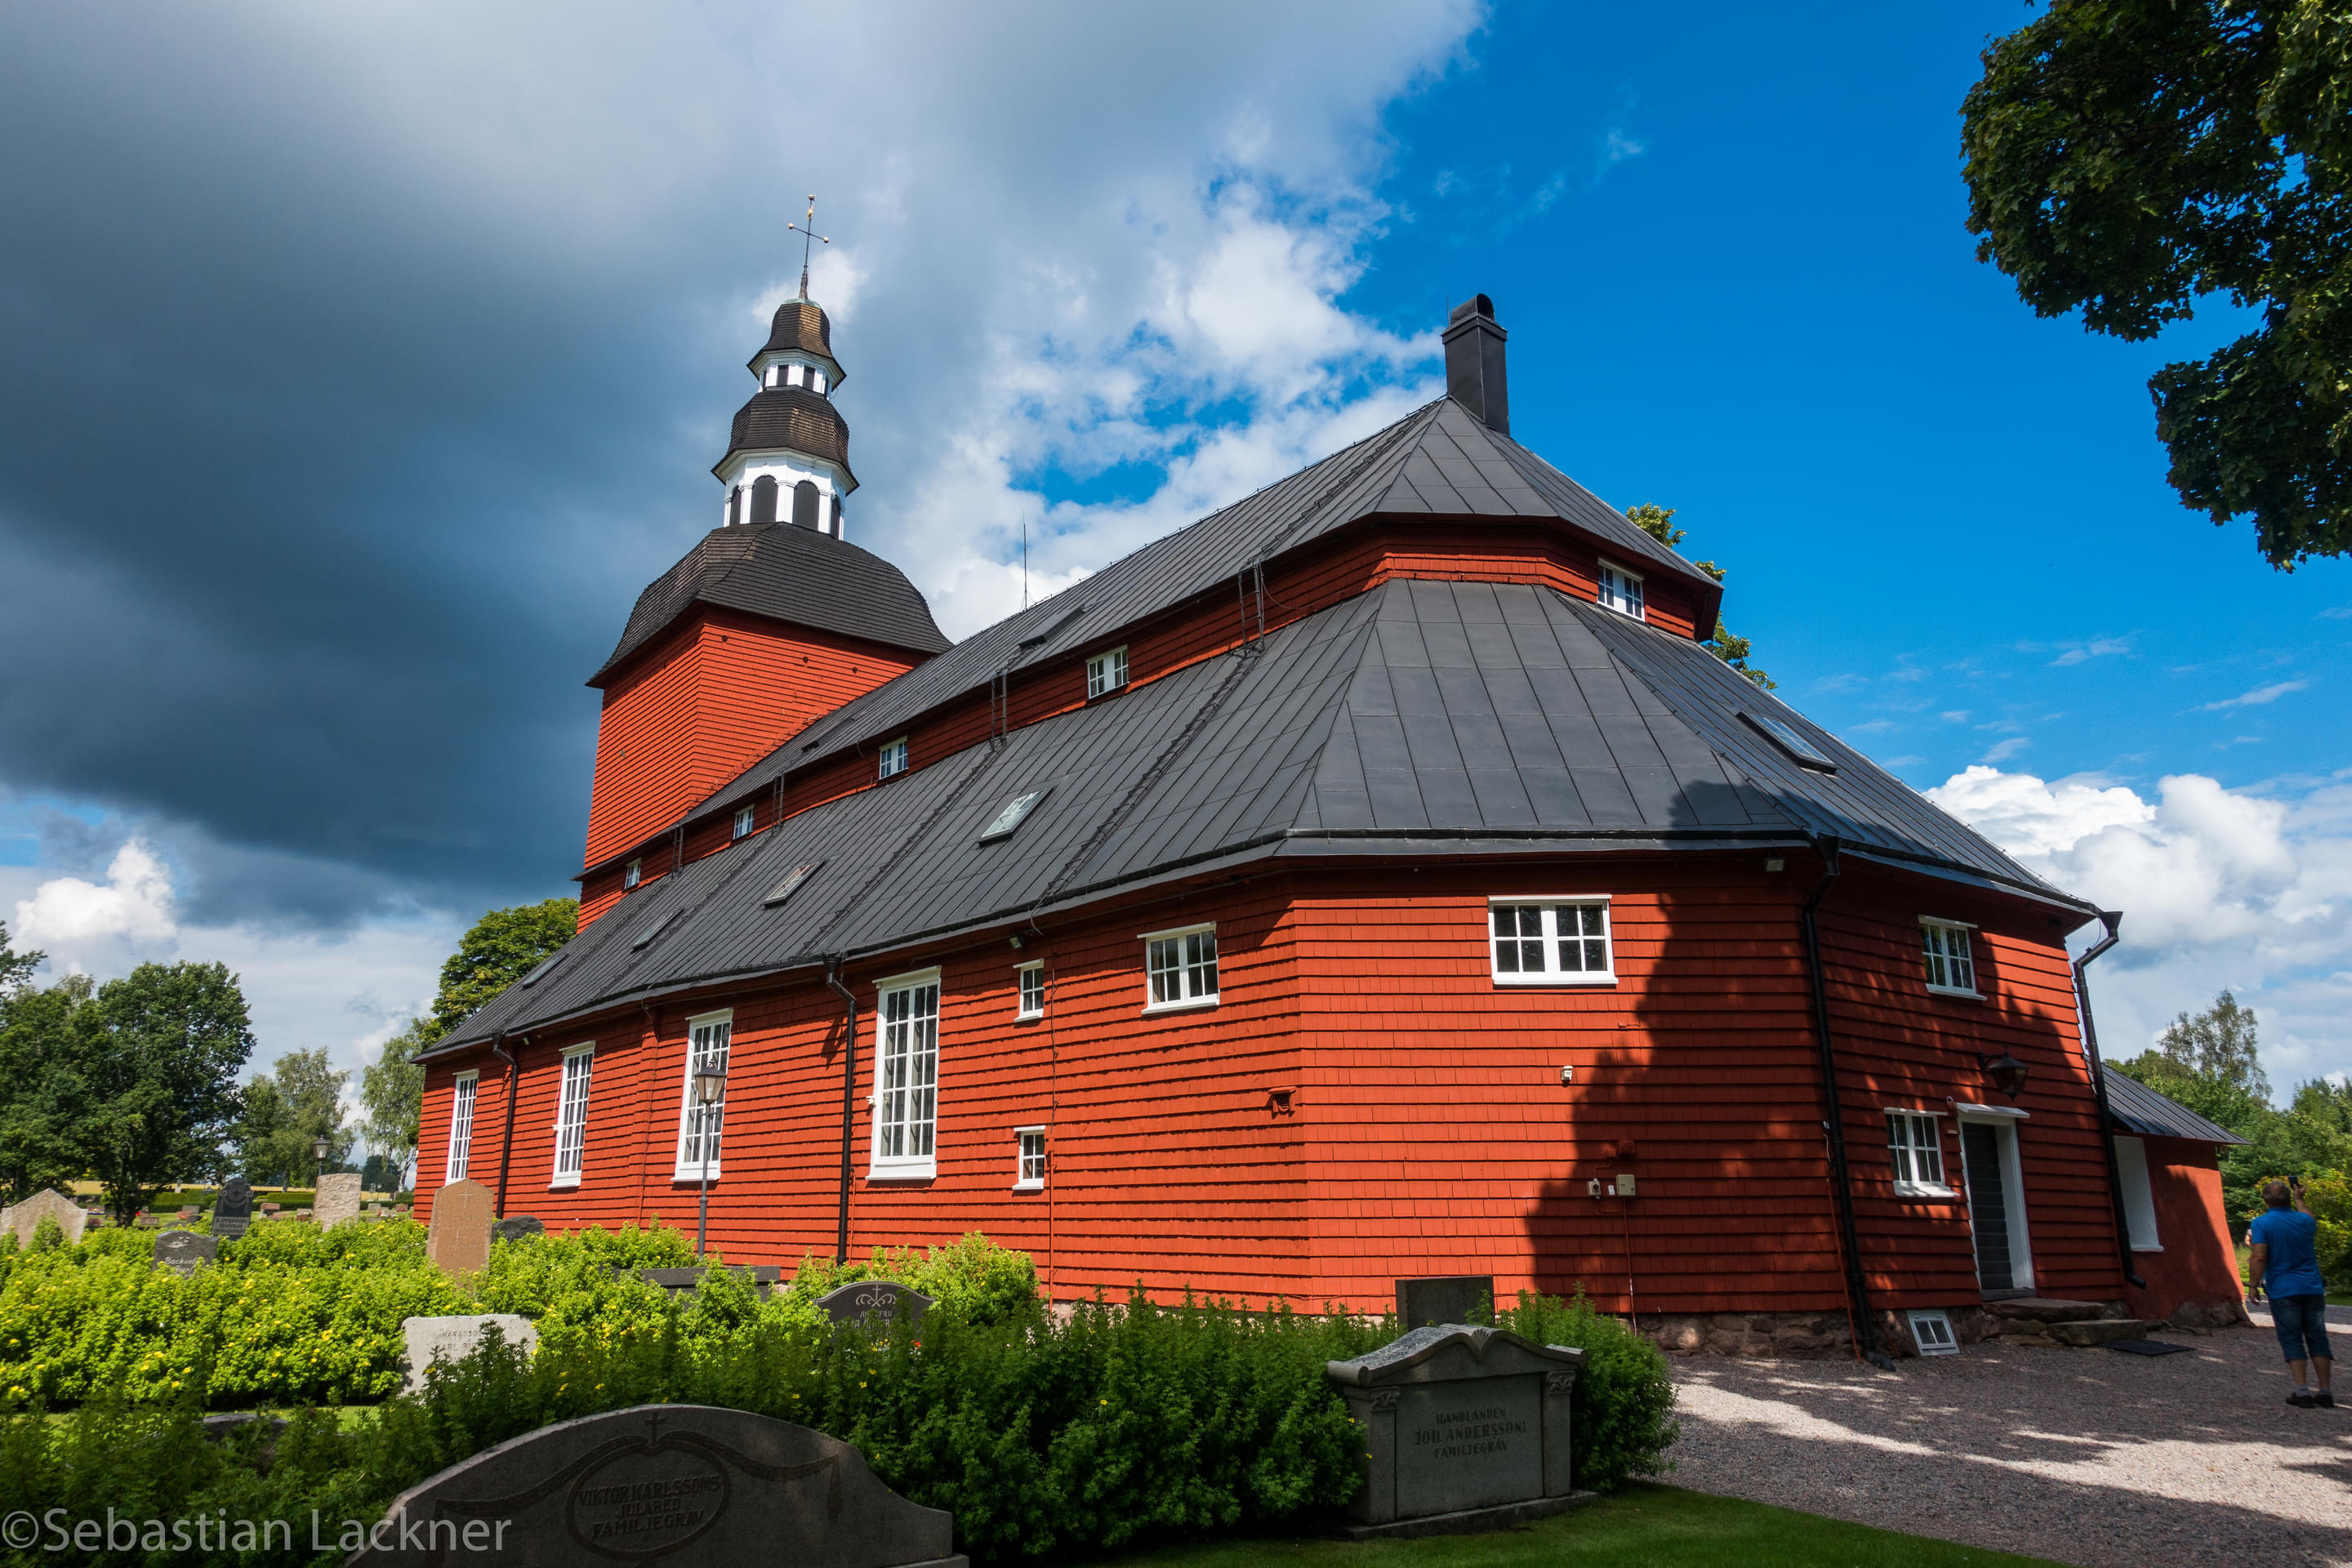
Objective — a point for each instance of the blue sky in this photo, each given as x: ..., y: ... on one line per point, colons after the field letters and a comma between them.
x: 372, y: 360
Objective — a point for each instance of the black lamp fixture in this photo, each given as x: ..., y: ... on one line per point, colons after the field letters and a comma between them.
x: 2008, y: 1074
x: 320, y: 1147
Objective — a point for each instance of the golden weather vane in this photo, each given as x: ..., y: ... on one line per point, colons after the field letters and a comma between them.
x: 807, y: 229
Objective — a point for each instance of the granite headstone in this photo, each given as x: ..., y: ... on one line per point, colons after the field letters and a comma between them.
x: 1465, y: 1428
x: 233, y: 1210
x: 515, y: 1226
x: 338, y: 1199
x: 182, y: 1250
x: 454, y: 1339
x: 658, y: 1482
x: 458, y: 1241
x: 1449, y: 1299
x: 24, y: 1219
x: 876, y: 1300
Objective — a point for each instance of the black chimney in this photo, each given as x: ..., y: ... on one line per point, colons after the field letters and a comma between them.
x: 1474, y: 363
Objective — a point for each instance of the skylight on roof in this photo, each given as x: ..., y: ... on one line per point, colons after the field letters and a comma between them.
x: 1803, y: 752
x: 1015, y: 811
x: 654, y: 926
x: 790, y: 885
x: 1061, y: 623
x: 539, y: 971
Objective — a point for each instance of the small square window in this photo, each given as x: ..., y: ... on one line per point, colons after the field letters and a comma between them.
x: 1551, y: 942
x: 631, y: 875
x: 1029, y: 1154
x: 743, y: 823
x: 1931, y: 1331
x: 893, y: 759
x: 1032, y: 1004
x: 1180, y: 968
x: 1951, y: 962
x: 1106, y: 672
x: 1621, y: 590
x: 1916, y: 1149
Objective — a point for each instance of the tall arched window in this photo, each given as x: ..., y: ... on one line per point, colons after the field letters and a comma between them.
x: 836, y: 517
x: 735, y: 505
x: 763, y: 499
x: 804, y: 500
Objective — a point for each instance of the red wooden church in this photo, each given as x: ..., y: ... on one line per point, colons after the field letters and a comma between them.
x: 1378, y: 877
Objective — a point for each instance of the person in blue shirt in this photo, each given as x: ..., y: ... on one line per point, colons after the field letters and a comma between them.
x: 2287, y: 1260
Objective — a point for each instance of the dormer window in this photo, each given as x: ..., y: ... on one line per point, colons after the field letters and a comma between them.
x: 631, y: 875
x: 1106, y: 672
x: 1621, y: 590
x: 742, y: 823
x: 893, y: 760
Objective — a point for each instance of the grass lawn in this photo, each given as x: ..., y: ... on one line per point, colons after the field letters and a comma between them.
x: 1640, y: 1527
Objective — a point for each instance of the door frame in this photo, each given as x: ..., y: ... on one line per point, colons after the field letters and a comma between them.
x: 2006, y: 1124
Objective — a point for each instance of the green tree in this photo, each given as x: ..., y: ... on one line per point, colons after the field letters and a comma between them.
x: 287, y: 1113
x: 16, y: 968
x: 391, y: 1092
x: 45, y: 1037
x: 2132, y: 158
x: 1658, y: 522
x: 161, y: 1078
x: 503, y: 946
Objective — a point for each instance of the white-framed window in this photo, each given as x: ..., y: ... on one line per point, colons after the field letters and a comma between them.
x: 1180, y: 968
x: 708, y: 1040
x: 892, y: 759
x: 2139, y: 1194
x: 742, y: 823
x: 1931, y: 1331
x: 1562, y: 940
x: 1029, y: 1159
x: 906, y: 1076
x: 631, y: 875
x: 572, y: 1114
x: 1621, y: 591
x: 1951, y: 962
x: 1032, y: 979
x: 1915, y: 1140
x: 1107, y: 671
x: 461, y: 1123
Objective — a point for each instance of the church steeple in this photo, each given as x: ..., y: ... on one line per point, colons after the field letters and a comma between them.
x: 788, y: 456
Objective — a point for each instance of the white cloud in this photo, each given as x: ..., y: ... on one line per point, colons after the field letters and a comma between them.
x: 134, y: 905
x: 2218, y: 887
x: 2003, y: 751
x: 2259, y: 697
x: 2097, y: 647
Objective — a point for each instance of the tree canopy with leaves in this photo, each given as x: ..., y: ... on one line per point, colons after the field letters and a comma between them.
x: 159, y: 1077
x: 286, y: 1114
x: 1658, y: 522
x: 2134, y: 158
x: 503, y: 946
x: 391, y: 1092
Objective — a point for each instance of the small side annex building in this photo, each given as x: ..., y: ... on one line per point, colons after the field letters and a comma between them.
x: 1378, y: 877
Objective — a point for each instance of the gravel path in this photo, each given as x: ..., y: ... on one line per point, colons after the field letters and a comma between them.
x: 2090, y: 1457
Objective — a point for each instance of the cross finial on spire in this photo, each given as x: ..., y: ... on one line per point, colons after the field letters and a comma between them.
x: 807, y: 229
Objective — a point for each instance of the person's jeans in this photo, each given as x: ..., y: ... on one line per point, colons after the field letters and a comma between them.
x: 2302, y: 1325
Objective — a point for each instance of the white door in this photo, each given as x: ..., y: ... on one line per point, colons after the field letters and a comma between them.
x: 1996, y: 1203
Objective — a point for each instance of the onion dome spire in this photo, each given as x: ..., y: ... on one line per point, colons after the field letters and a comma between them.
x: 788, y: 454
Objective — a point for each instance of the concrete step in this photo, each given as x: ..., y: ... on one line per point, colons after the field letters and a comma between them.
x: 2097, y: 1330
x: 2046, y: 1310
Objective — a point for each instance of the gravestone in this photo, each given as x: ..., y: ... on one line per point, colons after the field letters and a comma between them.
x: 337, y: 1201
x: 182, y: 1250
x: 659, y: 1482
x: 454, y: 1339
x: 459, y: 1239
x: 873, y: 1300
x: 765, y: 1276
x: 514, y: 1228
x: 1450, y: 1298
x: 233, y: 1210
x: 24, y: 1218
x: 1465, y: 1428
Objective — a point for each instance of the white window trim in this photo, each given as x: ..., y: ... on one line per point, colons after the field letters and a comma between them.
x: 906, y: 758
x: 1601, y: 591
x: 1021, y: 1013
x: 1022, y: 1183
x: 631, y: 874
x: 1583, y: 977
x: 1189, y: 1004
x: 454, y: 1164
x: 2139, y: 1197
x: 1943, y: 1157
x: 745, y: 817
x: 1971, y: 992
x: 902, y: 1167
x: 559, y: 1177
x: 1104, y: 658
x: 694, y: 1172
x: 1939, y: 1314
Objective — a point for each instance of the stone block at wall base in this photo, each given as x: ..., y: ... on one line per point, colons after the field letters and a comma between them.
x: 1470, y: 1520
x: 1794, y: 1335
x: 2203, y: 1318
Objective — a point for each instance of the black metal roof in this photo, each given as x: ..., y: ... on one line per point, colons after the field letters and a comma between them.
x: 793, y: 574
x: 1438, y: 461
x: 791, y: 418
x: 1421, y: 719
x: 800, y: 324
x: 2135, y: 1108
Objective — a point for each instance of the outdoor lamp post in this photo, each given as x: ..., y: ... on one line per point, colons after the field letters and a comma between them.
x: 709, y: 1089
x: 2008, y: 1074
x: 319, y: 1151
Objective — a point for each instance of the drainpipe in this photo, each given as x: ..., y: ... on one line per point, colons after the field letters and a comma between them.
x: 848, y: 1099
x: 2113, y: 919
x: 506, y: 1143
x: 1833, y: 1122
